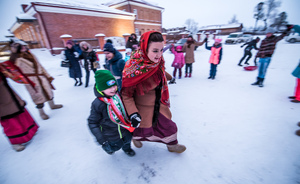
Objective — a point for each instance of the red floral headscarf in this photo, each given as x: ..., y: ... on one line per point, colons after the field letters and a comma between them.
x: 139, y: 69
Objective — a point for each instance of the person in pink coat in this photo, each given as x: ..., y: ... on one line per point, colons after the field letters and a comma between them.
x: 178, y: 62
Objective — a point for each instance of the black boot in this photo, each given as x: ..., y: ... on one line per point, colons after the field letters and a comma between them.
x: 257, y: 82
x: 261, y: 82
x: 130, y: 152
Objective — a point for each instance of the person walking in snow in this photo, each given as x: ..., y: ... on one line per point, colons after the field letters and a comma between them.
x: 108, y: 121
x: 215, y: 57
x: 72, y: 55
x: 189, y: 57
x: 266, y: 51
x: 247, y: 52
x: 145, y: 94
x: 115, y: 63
x: 178, y: 62
x: 90, y: 58
x: 17, y: 123
x: 31, y: 67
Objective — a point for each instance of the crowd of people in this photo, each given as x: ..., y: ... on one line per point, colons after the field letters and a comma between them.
x: 132, y: 96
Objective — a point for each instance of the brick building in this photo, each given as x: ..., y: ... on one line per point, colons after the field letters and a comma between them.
x: 222, y: 29
x: 42, y: 23
x: 148, y: 16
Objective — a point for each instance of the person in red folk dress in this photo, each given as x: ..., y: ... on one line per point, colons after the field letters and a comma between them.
x: 145, y: 94
x: 17, y: 123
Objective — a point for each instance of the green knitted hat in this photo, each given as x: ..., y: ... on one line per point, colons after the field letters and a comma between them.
x: 104, y: 80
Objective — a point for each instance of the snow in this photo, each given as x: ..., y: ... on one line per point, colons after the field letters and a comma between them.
x: 65, y: 36
x: 82, y: 5
x: 235, y: 133
x: 224, y: 26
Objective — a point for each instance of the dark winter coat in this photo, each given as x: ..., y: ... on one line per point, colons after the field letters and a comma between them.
x: 116, y: 66
x: 77, y: 48
x: 74, y: 70
x: 250, y: 45
x: 100, y: 124
x: 89, y: 56
x: 131, y: 42
x: 268, y: 45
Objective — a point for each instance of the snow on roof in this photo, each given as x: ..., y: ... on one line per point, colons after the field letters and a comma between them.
x: 114, y: 2
x: 81, y: 5
x: 25, y: 16
x: 65, y: 36
x: 222, y: 26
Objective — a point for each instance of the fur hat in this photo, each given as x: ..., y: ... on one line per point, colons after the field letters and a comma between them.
x: 104, y: 80
x: 109, y: 48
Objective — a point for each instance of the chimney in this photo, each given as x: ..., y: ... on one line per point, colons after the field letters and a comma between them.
x: 24, y: 6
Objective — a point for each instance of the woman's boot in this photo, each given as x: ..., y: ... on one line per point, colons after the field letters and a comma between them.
x: 54, y: 106
x: 18, y: 147
x: 177, y: 148
x: 137, y: 144
x: 43, y: 115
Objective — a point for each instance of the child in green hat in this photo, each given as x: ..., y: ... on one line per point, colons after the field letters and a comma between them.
x: 108, y: 121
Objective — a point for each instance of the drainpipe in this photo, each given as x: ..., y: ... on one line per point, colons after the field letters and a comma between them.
x: 43, y: 24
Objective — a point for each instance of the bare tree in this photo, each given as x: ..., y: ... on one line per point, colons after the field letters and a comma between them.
x: 280, y: 20
x: 191, y: 26
x: 258, y: 13
x: 271, y: 12
x: 233, y: 20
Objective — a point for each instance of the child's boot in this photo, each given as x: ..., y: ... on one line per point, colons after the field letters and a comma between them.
x: 43, y: 115
x: 190, y: 74
x: 186, y: 75
x: 130, y: 152
x: 54, y: 106
x: 137, y: 143
x: 177, y: 148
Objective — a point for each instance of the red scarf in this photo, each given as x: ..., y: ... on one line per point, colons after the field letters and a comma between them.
x: 139, y: 69
x: 10, y: 70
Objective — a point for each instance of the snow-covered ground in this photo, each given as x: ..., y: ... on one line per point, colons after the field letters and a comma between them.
x: 235, y: 133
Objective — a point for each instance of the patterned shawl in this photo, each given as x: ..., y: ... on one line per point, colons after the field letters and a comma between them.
x: 10, y: 70
x: 140, y: 73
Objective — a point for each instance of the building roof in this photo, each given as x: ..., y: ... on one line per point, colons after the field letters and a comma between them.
x: 79, y: 5
x: 222, y: 26
x: 117, y: 3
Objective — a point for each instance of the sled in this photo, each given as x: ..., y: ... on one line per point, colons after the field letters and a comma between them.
x: 250, y: 68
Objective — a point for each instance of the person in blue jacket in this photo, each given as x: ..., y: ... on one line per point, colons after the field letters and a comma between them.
x: 115, y: 63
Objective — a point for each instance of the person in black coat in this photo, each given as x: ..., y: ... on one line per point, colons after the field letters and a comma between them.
x: 89, y: 57
x: 115, y: 63
x: 72, y: 55
x: 132, y: 42
x: 247, y: 52
x: 108, y: 120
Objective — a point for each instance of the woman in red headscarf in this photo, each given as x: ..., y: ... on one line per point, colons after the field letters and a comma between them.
x: 145, y: 94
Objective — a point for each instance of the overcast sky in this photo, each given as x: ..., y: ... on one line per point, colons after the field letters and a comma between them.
x: 204, y: 12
